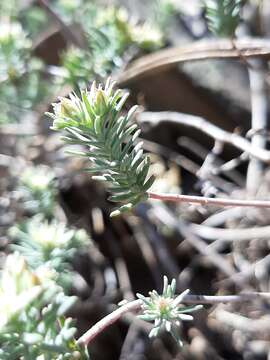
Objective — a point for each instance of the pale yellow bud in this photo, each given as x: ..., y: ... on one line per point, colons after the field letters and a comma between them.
x: 67, y: 108
x: 100, y: 104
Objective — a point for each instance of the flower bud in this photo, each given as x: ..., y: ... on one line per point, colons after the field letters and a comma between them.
x: 66, y: 113
x: 66, y: 108
x: 100, y: 103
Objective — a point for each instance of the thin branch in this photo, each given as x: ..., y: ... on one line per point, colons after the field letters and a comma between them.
x: 243, y: 323
x: 108, y: 320
x: 185, y: 163
x: 200, y: 151
x: 166, y: 216
x: 259, y: 111
x: 135, y: 305
x: 245, y: 234
x: 208, y: 201
x: 212, y: 299
x: 249, y: 272
x: 211, y: 130
x: 214, y: 49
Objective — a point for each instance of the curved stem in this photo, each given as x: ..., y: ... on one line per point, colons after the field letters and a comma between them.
x: 168, y: 58
x: 135, y: 305
x: 108, y: 320
x: 208, y: 201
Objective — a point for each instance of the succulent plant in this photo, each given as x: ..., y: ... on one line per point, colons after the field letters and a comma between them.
x: 94, y: 120
x: 166, y: 310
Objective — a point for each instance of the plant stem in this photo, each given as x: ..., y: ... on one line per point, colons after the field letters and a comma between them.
x: 165, y: 59
x: 108, y: 320
x: 208, y: 201
x: 135, y: 305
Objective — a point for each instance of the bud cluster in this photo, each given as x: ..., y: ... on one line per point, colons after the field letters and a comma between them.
x: 87, y: 111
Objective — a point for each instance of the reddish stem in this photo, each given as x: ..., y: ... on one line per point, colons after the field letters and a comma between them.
x: 208, y: 201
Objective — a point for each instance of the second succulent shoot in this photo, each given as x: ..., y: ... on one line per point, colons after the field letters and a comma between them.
x: 166, y: 310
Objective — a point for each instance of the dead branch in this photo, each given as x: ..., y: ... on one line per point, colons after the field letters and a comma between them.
x: 201, y: 50
x: 211, y: 130
x: 67, y: 32
x: 246, y: 234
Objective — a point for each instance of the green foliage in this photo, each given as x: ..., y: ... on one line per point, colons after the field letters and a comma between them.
x: 31, y: 317
x: 20, y: 85
x: 223, y: 16
x: 46, y: 243
x: 163, y: 11
x: 166, y: 310
x: 34, y: 20
x: 18, y: 98
x: 14, y: 51
x: 110, y: 34
x: 94, y: 120
x: 42, y: 239
x: 8, y: 9
x: 37, y: 276
x: 37, y: 188
x: 78, y: 66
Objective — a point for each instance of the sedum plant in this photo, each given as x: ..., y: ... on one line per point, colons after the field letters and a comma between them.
x: 166, y: 310
x: 36, y: 278
x: 43, y: 239
x: 14, y: 51
x: 94, y: 119
x: 78, y: 65
x: 51, y: 243
x: 20, y: 72
x: 110, y: 36
x: 38, y: 190
x: 32, y: 325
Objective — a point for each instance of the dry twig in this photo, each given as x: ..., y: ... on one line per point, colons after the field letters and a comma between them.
x: 211, y: 130
x: 67, y: 32
x: 246, y: 234
x: 202, y: 200
x: 201, y: 50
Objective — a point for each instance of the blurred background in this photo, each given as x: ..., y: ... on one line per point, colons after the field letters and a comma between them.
x: 50, y: 48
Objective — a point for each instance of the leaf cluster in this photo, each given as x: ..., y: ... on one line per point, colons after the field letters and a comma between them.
x: 94, y: 120
x: 223, y: 16
x: 166, y: 310
x: 36, y: 277
x: 42, y: 239
x: 38, y: 191
x: 109, y: 35
x: 20, y: 72
x: 51, y: 244
x: 32, y: 309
